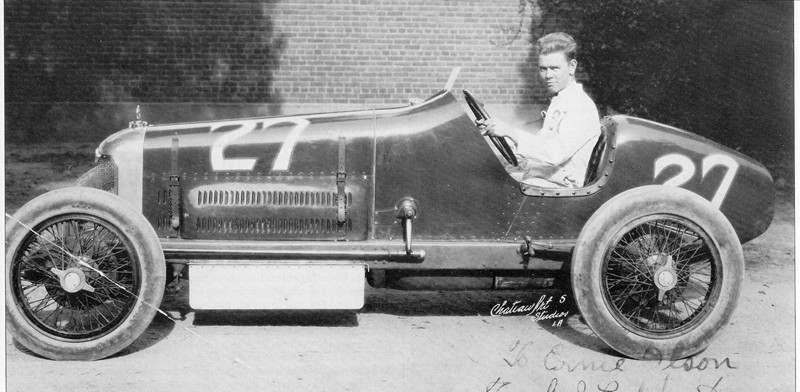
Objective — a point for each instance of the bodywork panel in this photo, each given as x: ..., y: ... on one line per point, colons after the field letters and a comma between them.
x: 126, y: 149
x: 654, y: 153
x: 271, y: 178
x: 434, y: 154
x: 339, y: 177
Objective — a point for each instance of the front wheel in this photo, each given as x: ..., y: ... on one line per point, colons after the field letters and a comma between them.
x: 84, y: 274
x: 656, y: 272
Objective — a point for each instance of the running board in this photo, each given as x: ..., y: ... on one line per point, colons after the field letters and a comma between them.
x: 305, y: 250
x: 378, y: 254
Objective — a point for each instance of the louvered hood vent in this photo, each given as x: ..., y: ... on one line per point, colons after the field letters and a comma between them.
x: 219, y: 197
x: 269, y: 226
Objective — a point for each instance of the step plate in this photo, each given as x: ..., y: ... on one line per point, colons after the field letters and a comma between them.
x: 303, y: 286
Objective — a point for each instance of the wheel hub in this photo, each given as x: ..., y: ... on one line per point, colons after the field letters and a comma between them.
x: 72, y: 280
x: 665, y: 277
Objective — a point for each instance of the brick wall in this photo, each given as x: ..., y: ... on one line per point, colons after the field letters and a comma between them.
x: 386, y: 51
x: 296, y: 51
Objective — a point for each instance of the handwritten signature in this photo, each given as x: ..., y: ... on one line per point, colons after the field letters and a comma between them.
x: 516, y: 307
x: 556, y: 362
x: 609, y: 386
x: 538, y: 311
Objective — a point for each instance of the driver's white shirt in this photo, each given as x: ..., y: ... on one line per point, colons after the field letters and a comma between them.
x: 557, y: 156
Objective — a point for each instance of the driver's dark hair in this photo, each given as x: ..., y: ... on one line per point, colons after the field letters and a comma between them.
x: 558, y: 42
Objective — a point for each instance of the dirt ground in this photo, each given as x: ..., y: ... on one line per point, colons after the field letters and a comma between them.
x: 416, y: 341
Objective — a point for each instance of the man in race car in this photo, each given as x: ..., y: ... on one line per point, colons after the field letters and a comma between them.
x: 556, y: 156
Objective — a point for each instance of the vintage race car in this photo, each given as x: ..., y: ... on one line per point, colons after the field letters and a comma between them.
x: 296, y: 212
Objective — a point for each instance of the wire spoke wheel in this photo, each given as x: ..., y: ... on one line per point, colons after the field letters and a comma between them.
x: 657, y: 272
x: 660, y: 276
x: 84, y: 274
x: 85, y: 246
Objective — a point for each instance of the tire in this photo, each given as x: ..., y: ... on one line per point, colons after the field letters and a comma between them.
x: 58, y: 305
x: 656, y: 272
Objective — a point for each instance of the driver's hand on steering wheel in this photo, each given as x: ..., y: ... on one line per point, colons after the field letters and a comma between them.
x: 499, y: 128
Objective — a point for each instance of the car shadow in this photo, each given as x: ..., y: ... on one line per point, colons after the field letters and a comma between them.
x: 447, y: 303
x: 162, y: 325
x: 284, y: 318
x: 158, y: 330
x: 571, y: 328
x: 25, y: 350
x: 177, y: 305
x: 574, y: 329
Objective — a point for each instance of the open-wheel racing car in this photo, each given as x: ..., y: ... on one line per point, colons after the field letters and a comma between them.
x: 296, y: 212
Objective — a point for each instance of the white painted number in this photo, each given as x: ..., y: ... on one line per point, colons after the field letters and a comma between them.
x: 242, y: 128
x: 683, y: 162
x: 721, y: 160
x: 282, y: 160
x: 687, y: 170
x: 218, y: 161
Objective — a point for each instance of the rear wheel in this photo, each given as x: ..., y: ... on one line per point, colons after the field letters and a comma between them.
x: 84, y: 274
x: 656, y: 272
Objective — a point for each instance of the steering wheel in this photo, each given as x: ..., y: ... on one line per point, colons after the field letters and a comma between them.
x: 499, y: 142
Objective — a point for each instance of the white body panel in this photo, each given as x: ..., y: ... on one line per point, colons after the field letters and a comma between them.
x: 283, y: 286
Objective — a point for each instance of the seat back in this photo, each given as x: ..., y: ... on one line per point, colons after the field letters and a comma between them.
x: 593, y: 169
